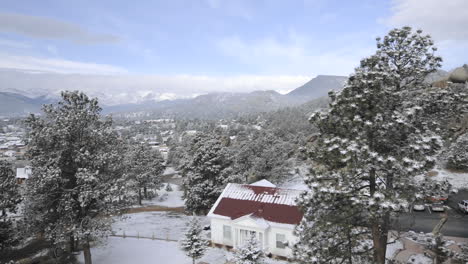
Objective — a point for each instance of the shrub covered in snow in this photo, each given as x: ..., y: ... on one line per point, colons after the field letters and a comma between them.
x: 249, y: 253
x: 193, y: 242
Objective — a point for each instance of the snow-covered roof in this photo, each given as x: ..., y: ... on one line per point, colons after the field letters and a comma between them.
x: 263, y: 183
x: 23, y: 173
x: 272, y: 204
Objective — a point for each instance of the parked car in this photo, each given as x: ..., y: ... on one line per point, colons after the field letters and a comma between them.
x: 438, y: 199
x: 419, y: 207
x: 437, y: 207
x: 463, y: 205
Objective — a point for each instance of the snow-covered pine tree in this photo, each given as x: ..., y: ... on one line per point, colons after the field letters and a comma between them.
x: 144, y: 167
x: 250, y: 252
x: 193, y: 242
x: 9, y: 199
x: 371, y: 145
x: 205, y: 173
x: 75, y: 165
x: 458, y: 155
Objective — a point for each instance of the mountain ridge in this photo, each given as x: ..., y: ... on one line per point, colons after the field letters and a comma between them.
x: 211, y: 105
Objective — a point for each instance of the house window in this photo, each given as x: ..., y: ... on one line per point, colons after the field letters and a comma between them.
x: 280, y: 241
x: 227, y: 232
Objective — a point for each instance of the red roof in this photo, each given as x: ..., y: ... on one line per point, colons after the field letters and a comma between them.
x: 272, y: 204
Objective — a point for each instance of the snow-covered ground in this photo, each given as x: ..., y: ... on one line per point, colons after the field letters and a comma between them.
x: 169, y: 170
x: 457, y: 180
x: 169, y: 225
x: 420, y: 259
x: 146, y: 251
x: 165, y: 198
x: 296, y: 181
x: 393, y: 248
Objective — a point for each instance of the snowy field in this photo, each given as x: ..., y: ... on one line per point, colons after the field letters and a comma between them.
x: 160, y: 224
x: 146, y: 251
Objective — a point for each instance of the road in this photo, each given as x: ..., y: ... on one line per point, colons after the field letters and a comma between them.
x: 457, y: 224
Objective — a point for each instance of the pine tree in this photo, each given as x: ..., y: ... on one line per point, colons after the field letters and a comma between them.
x: 250, y: 252
x: 76, y: 165
x: 372, y: 142
x: 193, y: 243
x: 206, y: 173
x: 458, y: 155
x: 9, y: 199
x: 144, y: 167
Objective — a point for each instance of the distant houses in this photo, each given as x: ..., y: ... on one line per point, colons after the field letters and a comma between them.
x: 262, y: 209
x: 23, y: 174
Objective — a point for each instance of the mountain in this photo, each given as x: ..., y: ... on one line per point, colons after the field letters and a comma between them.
x: 13, y: 104
x: 209, y: 106
x: 319, y: 86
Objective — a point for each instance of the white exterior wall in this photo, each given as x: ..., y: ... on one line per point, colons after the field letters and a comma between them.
x: 217, y: 231
x: 268, y: 234
x: 290, y: 238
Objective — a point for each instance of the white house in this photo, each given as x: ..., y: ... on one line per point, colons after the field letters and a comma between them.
x: 268, y: 212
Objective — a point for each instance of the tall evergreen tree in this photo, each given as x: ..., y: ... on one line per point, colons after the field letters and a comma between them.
x: 144, y: 167
x: 193, y: 243
x: 206, y: 173
x: 372, y: 142
x: 75, y: 165
x: 9, y: 200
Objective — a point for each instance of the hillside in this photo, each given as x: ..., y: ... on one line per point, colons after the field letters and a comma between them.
x: 12, y: 104
x: 319, y: 86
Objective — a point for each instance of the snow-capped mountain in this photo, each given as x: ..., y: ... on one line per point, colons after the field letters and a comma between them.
x: 211, y: 105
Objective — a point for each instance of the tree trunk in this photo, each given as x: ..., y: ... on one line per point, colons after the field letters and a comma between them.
x: 72, y: 244
x: 380, y: 238
x: 87, y: 252
x: 145, y: 192
x: 193, y: 260
x: 139, y: 197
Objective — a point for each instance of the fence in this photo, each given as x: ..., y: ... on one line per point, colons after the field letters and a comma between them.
x: 145, y: 236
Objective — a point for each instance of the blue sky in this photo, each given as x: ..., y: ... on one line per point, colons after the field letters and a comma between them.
x: 234, y: 40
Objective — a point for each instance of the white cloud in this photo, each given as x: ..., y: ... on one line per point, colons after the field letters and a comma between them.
x: 444, y: 20
x: 295, y: 55
x: 31, y: 63
x: 125, y: 88
x: 48, y: 28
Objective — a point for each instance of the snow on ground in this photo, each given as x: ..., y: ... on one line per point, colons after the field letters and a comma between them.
x: 146, y: 251
x: 419, y: 259
x: 296, y: 182
x: 165, y: 198
x: 169, y: 225
x: 458, y: 180
x: 393, y: 249
x: 169, y: 170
